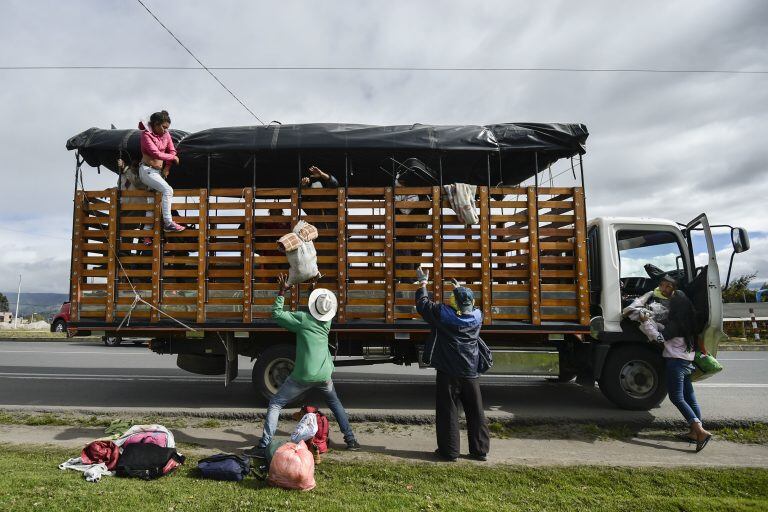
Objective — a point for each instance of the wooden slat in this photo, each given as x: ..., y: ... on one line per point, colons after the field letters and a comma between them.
x: 157, y: 254
x: 341, y: 239
x: 295, y: 211
x: 533, y: 259
x: 248, y: 256
x: 389, y: 253
x: 581, y: 255
x: 437, y: 247
x: 77, y: 248
x: 112, y: 241
x: 485, y: 254
x: 202, y: 256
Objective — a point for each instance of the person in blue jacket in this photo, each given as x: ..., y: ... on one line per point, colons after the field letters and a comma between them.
x: 452, y: 349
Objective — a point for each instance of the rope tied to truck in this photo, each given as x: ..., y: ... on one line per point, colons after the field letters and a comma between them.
x: 137, y: 298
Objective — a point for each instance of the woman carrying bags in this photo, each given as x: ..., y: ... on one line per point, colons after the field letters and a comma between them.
x: 679, y: 351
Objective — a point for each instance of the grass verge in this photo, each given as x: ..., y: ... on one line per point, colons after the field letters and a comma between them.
x: 755, y: 433
x: 30, y: 480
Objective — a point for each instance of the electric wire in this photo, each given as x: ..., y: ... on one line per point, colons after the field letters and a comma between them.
x: 380, y: 68
x: 200, y: 62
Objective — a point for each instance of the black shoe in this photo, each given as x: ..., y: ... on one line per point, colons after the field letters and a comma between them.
x: 444, y: 457
x: 701, y: 444
x: 353, y: 445
x: 257, y: 452
x: 478, y: 456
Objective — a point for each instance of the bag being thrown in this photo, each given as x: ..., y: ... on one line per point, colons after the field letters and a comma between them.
x: 300, y: 252
x: 292, y: 467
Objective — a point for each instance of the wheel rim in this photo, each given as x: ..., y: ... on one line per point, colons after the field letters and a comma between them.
x: 59, y: 327
x: 638, y: 379
x: 276, y: 372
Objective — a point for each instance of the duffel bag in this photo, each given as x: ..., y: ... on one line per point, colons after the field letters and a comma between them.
x: 224, y: 466
x: 147, y: 461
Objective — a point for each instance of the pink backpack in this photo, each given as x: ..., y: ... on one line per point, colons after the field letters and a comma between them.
x: 292, y: 467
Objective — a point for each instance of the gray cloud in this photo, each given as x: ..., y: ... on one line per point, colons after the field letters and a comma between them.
x: 670, y: 145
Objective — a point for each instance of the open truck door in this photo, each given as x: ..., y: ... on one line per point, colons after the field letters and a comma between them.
x: 704, y: 285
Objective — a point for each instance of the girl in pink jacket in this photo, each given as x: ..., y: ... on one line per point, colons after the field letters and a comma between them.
x: 157, y: 156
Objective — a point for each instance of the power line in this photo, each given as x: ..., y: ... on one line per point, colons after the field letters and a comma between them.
x: 39, y: 235
x: 383, y: 68
x: 200, y: 62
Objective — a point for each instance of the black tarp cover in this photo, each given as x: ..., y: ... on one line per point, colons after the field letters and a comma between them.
x: 274, y: 155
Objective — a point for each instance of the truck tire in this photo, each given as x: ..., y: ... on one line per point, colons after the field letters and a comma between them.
x: 272, y: 367
x: 112, y: 341
x: 633, y: 377
x: 59, y: 326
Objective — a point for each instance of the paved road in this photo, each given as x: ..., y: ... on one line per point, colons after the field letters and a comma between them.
x: 89, y: 376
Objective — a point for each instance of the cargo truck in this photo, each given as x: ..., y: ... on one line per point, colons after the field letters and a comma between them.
x: 547, y: 279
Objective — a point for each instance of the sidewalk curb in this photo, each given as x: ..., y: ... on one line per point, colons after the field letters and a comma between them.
x: 402, y: 419
x: 745, y: 347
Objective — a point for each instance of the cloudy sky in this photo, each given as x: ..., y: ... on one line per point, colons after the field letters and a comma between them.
x: 662, y: 144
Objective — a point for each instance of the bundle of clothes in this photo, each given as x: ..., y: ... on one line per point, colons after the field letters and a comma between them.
x: 141, y: 451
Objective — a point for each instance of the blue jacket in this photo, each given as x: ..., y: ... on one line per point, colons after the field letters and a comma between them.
x: 454, y: 337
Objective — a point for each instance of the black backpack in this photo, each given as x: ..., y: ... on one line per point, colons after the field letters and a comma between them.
x: 147, y: 461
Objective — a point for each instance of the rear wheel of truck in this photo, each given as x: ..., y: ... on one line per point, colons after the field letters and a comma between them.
x: 633, y: 378
x: 112, y: 341
x: 272, y: 367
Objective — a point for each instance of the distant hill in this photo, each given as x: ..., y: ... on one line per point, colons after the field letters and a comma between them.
x: 42, y: 303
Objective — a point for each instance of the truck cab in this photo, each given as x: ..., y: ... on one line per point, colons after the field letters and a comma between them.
x: 627, y: 258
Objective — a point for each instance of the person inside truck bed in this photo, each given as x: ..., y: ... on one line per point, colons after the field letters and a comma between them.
x: 680, y: 332
x: 157, y: 156
x: 454, y: 353
x: 313, y: 366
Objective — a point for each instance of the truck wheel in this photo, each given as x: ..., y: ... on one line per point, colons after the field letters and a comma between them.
x: 633, y: 378
x: 112, y: 341
x: 272, y: 367
x: 59, y: 326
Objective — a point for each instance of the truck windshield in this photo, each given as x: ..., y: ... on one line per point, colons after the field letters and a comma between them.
x: 640, y: 248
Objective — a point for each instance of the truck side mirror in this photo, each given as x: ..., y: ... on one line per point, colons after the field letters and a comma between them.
x: 739, y: 240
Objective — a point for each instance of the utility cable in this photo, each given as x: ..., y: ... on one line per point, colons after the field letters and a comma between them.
x: 385, y: 68
x: 200, y: 62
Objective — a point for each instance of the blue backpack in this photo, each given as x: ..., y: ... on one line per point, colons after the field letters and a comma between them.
x: 224, y: 466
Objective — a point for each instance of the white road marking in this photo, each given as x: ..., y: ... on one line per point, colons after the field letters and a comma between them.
x: 728, y: 385
x: 339, y: 380
x: 46, y: 352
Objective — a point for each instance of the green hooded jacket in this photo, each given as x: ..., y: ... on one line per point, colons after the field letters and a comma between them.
x: 313, y: 360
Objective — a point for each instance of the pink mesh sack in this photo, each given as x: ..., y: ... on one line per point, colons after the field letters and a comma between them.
x: 292, y: 467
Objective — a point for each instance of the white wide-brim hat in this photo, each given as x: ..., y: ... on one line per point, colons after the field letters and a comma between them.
x: 322, y: 304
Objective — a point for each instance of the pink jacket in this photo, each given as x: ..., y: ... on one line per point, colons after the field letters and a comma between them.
x: 157, y: 146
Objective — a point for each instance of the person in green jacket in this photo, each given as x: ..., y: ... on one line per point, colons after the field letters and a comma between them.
x: 313, y: 366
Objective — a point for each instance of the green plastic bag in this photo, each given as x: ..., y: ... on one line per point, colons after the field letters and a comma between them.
x: 707, y: 364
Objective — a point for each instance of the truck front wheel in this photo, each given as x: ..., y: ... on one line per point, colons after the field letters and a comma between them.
x: 633, y: 377
x: 272, y: 367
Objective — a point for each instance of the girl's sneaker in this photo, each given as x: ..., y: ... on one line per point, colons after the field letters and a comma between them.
x: 173, y: 227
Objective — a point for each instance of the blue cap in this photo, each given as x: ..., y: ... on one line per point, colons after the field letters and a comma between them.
x: 465, y: 299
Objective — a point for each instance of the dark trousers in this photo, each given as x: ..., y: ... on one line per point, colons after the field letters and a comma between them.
x: 451, y: 391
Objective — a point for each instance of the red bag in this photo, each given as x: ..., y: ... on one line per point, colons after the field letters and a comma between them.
x: 292, y: 467
x: 101, y: 451
x: 320, y: 441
